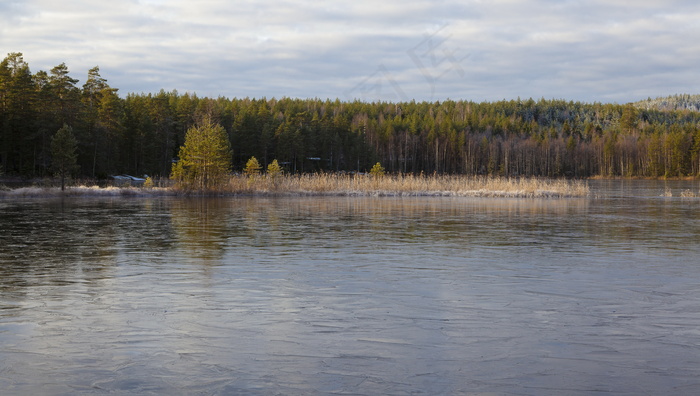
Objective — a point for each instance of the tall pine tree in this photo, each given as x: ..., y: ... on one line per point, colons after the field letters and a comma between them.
x: 204, y: 160
x: 63, y: 153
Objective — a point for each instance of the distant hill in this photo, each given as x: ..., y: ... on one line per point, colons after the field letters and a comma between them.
x: 671, y: 103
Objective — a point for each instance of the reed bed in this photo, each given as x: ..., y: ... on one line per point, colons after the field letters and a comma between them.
x: 406, y: 185
x: 331, y: 184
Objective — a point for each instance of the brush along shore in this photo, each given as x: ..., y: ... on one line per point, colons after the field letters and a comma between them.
x: 407, y: 185
x: 330, y: 184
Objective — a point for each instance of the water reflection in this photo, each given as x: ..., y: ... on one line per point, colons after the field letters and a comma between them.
x: 350, y: 295
x: 202, y: 227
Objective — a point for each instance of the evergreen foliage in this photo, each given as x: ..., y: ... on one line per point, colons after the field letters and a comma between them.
x: 377, y: 170
x: 142, y: 133
x: 274, y: 170
x: 149, y: 182
x: 252, y: 167
x: 671, y: 103
x: 63, y: 154
x: 204, y: 160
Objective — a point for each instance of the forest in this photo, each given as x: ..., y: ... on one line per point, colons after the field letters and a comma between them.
x: 142, y: 133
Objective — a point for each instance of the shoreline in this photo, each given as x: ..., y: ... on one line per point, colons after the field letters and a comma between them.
x: 77, y: 192
x: 331, y: 185
x: 656, y: 178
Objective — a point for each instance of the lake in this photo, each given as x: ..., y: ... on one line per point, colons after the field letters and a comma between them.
x: 353, y: 295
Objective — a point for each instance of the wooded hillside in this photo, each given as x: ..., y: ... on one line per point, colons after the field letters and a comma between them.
x: 142, y: 133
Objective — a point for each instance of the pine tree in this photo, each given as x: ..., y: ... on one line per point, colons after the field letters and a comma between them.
x: 274, y: 170
x: 63, y: 152
x: 377, y: 170
x: 252, y: 167
x: 204, y: 160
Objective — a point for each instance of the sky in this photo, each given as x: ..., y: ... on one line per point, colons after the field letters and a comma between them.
x: 607, y: 51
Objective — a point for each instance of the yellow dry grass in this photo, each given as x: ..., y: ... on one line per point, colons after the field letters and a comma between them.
x: 346, y: 185
x: 406, y: 185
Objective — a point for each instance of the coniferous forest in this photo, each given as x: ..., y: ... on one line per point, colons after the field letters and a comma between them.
x: 142, y: 133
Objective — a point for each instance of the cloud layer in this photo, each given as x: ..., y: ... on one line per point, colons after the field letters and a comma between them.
x: 424, y: 50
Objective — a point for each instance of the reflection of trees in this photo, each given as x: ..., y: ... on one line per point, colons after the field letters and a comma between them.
x: 381, y: 221
x: 211, y: 225
x: 463, y: 220
x: 638, y: 211
x: 650, y: 222
x: 262, y: 220
x: 202, y: 226
x: 54, y: 243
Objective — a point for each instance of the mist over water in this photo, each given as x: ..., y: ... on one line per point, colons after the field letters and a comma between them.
x: 353, y: 295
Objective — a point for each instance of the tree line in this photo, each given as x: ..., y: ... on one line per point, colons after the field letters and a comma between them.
x: 142, y: 133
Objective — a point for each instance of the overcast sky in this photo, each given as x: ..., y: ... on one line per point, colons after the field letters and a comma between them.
x: 598, y: 50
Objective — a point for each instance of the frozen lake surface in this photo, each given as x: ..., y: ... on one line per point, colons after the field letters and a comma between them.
x: 347, y: 295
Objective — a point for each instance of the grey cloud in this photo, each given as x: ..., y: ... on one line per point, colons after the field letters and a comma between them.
x: 593, y: 50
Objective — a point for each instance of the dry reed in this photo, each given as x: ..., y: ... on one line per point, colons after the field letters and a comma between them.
x: 407, y: 185
x: 346, y: 185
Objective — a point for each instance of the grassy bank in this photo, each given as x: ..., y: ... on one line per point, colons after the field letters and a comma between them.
x: 345, y: 185
x: 666, y: 178
x: 83, y: 191
x: 406, y: 185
